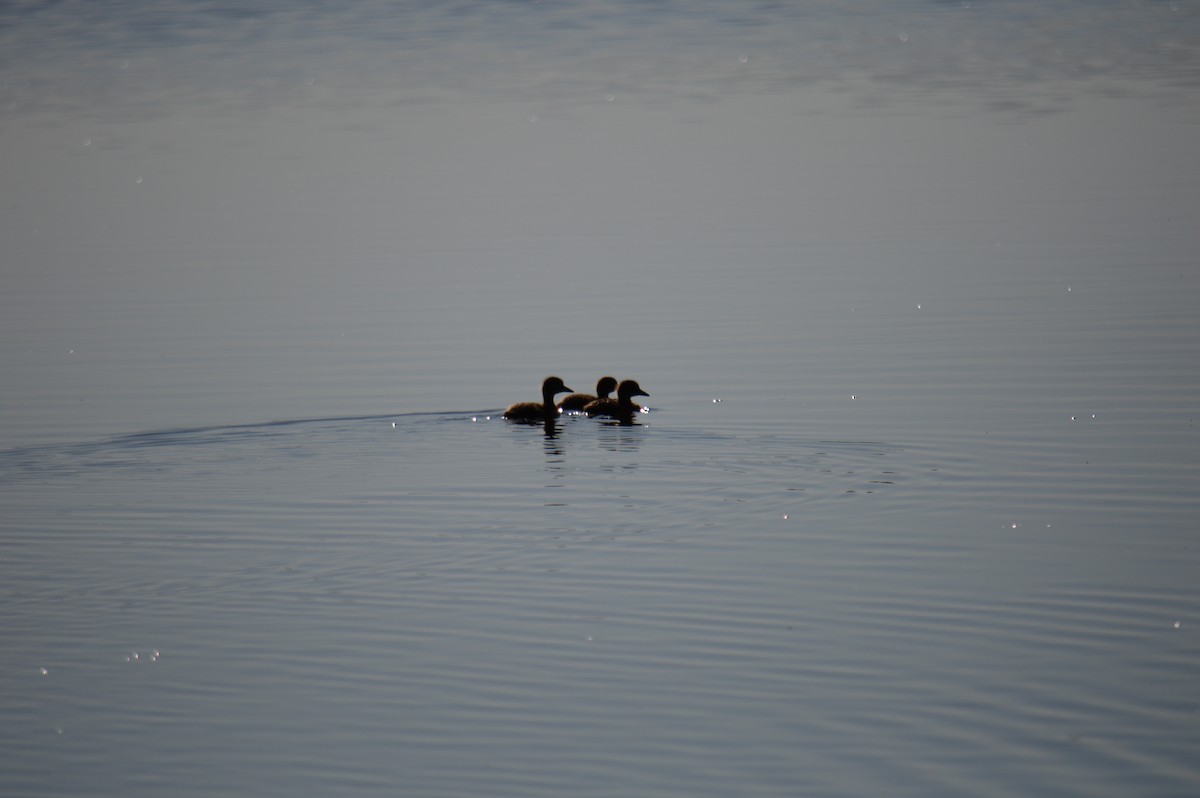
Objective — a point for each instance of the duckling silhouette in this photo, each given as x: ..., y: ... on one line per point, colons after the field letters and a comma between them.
x: 576, y: 401
x: 539, y: 411
x: 621, y: 407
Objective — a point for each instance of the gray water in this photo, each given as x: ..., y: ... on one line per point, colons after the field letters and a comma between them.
x: 912, y: 287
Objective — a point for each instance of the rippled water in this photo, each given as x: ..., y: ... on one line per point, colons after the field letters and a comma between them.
x: 447, y: 603
x: 912, y: 287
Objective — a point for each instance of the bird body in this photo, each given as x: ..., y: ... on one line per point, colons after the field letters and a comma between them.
x: 621, y: 407
x: 577, y: 401
x: 539, y: 411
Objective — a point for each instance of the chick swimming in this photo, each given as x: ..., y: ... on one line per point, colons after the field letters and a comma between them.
x: 577, y: 401
x: 539, y: 411
x: 621, y: 407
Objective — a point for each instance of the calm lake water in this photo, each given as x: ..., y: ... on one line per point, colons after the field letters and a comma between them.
x: 912, y: 286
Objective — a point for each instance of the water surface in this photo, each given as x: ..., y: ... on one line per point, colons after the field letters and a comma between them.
x: 912, y: 287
